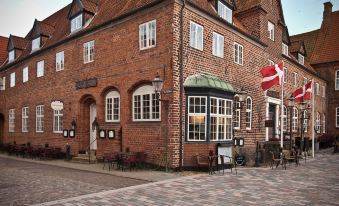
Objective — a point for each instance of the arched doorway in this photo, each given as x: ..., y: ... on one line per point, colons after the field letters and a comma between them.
x: 2, y: 127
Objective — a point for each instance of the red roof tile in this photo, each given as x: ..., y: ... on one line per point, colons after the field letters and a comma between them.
x: 309, y: 39
x: 3, y: 49
x: 18, y: 42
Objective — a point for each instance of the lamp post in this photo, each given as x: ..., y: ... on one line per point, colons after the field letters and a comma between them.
x: 290, y: 106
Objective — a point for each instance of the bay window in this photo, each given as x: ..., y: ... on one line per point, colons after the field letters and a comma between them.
x: 197, y: 116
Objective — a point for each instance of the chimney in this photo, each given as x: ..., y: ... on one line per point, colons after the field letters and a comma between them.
x: 327, y: 9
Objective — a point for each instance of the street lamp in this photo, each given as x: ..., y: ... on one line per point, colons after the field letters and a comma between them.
x: 291, y: 106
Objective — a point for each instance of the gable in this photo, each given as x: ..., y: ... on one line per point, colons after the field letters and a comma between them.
x: 76, y: 8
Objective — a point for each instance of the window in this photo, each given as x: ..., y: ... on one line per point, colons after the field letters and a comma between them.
x: 238, y: 53
x: 76, y: 23
x: 145, y: 105
x: 285, y: 119
x: 147, y: 35
x: 2, y: 83
x: 40, y: 118
x: 337, y: 117
x: 305, y: 81
x: 285, y: 75
x: 324, y: 124
x: 57, y: 121
x: 270, y: 27
x: 317, y: 88
x: 300, y: 59
x: 248, y: 113
x: 221, y: 119
x: 113, y: 106
x: 270, y: 62
x: 59, y: 61
x: 224, y: 12
x: 285, y: 49
x: 197, y: 118
x: 12, y: 82
x: 24, y: 119
x: 305, y: 121
x: 40, y: 69
x: 295, y: 120
x: 337, y: 80
x: 237, y: 113
x: 218, y: 45
x: 317, y: 123
x: 36, y: 44
x: 11, y: 120
x: 324, y: 91
x: 295, y: 79
x: 11, y: 56
x: 88, y: 52
x: 196, y: 36
x: 25, y: 74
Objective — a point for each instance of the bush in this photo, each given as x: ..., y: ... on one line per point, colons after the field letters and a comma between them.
x: 326, y: 141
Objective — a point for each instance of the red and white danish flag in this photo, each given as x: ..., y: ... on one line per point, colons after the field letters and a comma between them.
x: 272, y: 75
x: 303, y: 93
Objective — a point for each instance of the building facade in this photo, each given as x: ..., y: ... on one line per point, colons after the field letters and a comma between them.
x: 90, y: 66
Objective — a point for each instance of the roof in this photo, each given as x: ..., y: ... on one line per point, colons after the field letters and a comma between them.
x: 309, y: 39
x: 207, y: 81
x: 327, y: 44
x: 245, y: 5
x: 3, y: 49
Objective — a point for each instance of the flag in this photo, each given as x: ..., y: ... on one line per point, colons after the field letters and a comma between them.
x: 272, y: 75
x: 303, y: 93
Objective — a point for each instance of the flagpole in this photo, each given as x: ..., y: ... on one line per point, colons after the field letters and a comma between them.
x: 282, y: 111
x: 313, y: 132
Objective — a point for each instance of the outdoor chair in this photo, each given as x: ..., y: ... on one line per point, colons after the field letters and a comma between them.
x: 229, y: 165
x: 202, y: 161
x: 288, y: 157
x: 276, y: 161
x: 128, y: 161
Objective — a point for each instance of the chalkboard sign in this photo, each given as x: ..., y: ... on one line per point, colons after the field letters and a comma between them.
x: 240, y: 160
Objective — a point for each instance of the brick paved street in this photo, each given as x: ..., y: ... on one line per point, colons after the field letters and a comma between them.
x: 23, y: 183
x: 317, y: 183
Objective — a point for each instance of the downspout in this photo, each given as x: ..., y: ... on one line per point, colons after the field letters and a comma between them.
x: 181, y: 67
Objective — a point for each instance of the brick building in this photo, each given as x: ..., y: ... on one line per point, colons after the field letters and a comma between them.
x: 90, y: 67
x: 322, y: 46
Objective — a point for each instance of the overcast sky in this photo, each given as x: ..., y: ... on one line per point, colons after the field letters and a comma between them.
x: 18, y: 15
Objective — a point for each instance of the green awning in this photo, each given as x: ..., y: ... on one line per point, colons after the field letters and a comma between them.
x: 208, y: 81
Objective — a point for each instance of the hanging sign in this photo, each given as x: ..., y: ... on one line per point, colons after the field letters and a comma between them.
x: 57, y: 105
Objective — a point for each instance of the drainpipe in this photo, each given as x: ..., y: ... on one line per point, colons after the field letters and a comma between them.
x: 181, y: 67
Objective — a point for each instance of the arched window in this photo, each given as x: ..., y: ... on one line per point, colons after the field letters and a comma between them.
x: 295, y: 120
x: 317, y: 123
x: 305, y: 121
x: 324, y: 123
x: 237, y: 113
x: 145, y: 105
x: 112, y: 107
x: 285, y: 119
x: 249, y: 113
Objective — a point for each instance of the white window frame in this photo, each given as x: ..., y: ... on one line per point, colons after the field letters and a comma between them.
x: 324, y: 123
x: 39, y: 122
x: 301, y: 59
x: 224, y: 112
x: 148, y: 35
x: 305, y: 121
x: 295, y: 119
x: 284, y: 119
x: 40, y: 68
x: 317, y: 88
x: 197, y: 114
x: 324, y: 91
x: 76, y: 23
x: 237, y: 120
x: 225, y: 12
x: 25, y: 75
x: 11, y: 120
x: 196, y: 36
x: 270, y: 28
x: 3, y: 84
x: 238, y: 53
x: 285, y: 49
x: 249, y: 108
x: 218, y: 45
x: 36, y: 44
x: 11, y: 56
x: 112, y: 108
x: 295, y: 79
x: 60, y: 61
x: 154, y: 104
x: 88, y: 52
x: 270, y: 62
x: 336, y: 80
x: 12, y: 80
x: 57, y: 121
x: 317, y: 123
x: 25, y: 119
x: 285, y: 74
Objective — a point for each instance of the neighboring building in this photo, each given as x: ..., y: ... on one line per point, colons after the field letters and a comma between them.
x: 3, y: 49
x: 322, y: 47
x: 96, y: 59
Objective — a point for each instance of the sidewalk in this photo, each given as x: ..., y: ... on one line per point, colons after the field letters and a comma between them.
x: 147, y: 175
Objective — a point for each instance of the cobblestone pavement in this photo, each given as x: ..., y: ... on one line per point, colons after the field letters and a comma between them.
x: 316, y: 183
x: 23, y: 183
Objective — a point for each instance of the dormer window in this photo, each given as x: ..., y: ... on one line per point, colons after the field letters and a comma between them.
x: 36, y: 43
x: 11, y: 56
x: 301, y: 59
x: 225, y: 12
x: 285, y: 49
x: 76, y: 23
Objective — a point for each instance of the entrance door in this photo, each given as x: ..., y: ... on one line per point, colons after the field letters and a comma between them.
x: 93, y: 131
x: 272, y: 116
